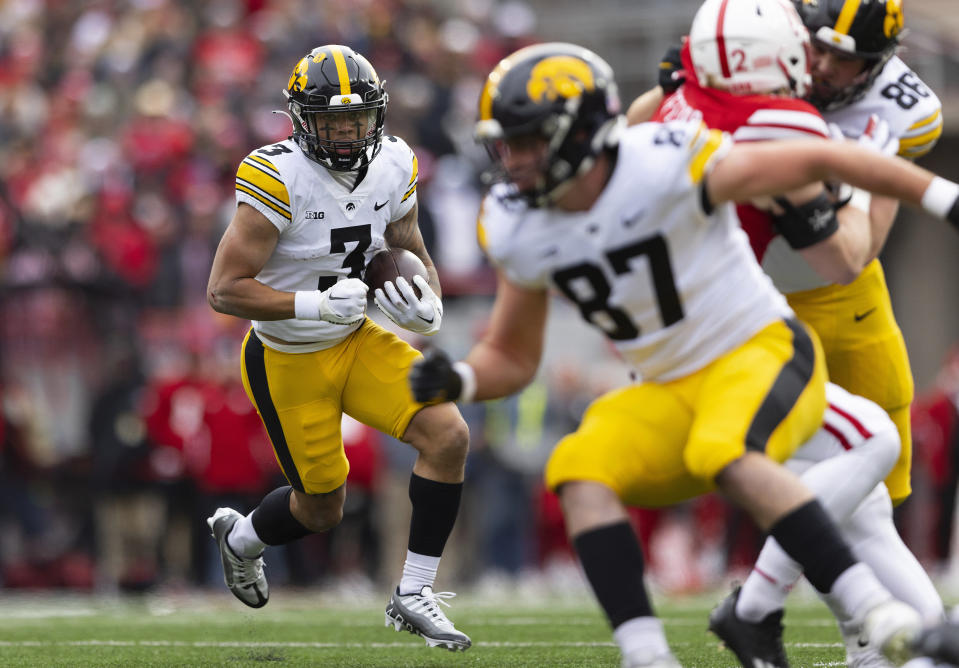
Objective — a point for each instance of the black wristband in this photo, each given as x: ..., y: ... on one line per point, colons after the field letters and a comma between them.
x: 805, y: 224
x: 953, y: 215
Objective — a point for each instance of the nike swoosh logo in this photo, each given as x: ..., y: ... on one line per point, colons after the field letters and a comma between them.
x: 429, y: 322
x: 860, y: 316
x: 377, y: 206
x: 335, y: 297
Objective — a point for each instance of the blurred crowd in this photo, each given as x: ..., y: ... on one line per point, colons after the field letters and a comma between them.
x: 123, y: 421
x: 122, y: 123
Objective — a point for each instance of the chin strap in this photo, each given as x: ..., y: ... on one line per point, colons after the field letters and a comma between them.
x: 287, y: 114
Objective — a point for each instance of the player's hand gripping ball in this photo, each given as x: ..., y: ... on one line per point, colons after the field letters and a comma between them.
x: 398, y: 280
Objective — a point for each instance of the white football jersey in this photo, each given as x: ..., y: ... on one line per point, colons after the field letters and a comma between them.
x: 673, y: 287
x: 327, y: 231
x: 900, y: 98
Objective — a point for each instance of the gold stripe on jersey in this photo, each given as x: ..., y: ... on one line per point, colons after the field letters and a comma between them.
x: 258, y: 178
x: 265, y: 163
x: 913, y: 147
x: 265, y: 178
x: 707, y: 147
x: 846, y: 16
x: 416, y: 170
x: 925, y: 121
x: 481, y: 238
x: 413, y: 181
x: 259, y: 197
x: 341, y: 70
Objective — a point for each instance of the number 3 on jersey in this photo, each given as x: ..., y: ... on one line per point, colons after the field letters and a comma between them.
x: 355, y: 260
x: 595, y: 307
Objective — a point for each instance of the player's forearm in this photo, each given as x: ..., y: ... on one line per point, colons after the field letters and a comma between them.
x: 854, y: 242
x: 760, y: 169
x: 644, y: 106
x: 879, y: 174
x: 767, y: 168
x: 499, y: 373
x: 882, y: 214
x: 250, y: 299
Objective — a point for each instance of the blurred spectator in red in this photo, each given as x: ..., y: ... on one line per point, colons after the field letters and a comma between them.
x: 232, y: 460
x: 927, y: 518
x: 351, y: 552
x: 173, y: 410
x: 118, y: 151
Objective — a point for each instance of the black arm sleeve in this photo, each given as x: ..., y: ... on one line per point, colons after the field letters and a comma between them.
x: 806, y: 224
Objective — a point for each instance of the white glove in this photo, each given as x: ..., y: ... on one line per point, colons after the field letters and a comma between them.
x: 422, y: 315
x: 878, y: 137
x: 342, y: 304
x: 835, y: 132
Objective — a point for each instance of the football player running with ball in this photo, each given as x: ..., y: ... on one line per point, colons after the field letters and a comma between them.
x: 756, y: 101
x: 311, y: 211
x: 636, y: 227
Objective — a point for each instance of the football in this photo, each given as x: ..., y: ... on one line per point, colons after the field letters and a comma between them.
x: 390, y: 263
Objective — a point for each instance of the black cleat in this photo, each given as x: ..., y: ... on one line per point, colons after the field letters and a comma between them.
x: 756, y: 644
x: 940, y: 643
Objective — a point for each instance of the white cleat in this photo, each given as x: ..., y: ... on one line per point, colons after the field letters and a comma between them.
x: 649, y: 660
x: 868, y: 657
x: 420, y: 614
x: 892, y: 627
x: 244, y: 576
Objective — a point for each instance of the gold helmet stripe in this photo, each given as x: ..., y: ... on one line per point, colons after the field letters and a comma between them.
x: 341, y: 70
x: 846, y: 16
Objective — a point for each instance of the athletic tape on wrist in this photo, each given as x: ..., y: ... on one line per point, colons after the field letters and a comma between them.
x: 468, y: 377
x: 306, y: 304
x: 940, y: 198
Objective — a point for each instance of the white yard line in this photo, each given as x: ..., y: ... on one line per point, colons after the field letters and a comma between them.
x: 313, y: 645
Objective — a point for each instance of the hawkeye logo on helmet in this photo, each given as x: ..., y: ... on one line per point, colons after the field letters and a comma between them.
x: 559, y: 77
x: 892, y: 24
x: 298, y: 78
x: 345, y: 100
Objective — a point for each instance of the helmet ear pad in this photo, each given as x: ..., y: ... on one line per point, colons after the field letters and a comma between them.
x: 334, y: 79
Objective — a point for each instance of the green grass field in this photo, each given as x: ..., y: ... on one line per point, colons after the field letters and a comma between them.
x: 317, y: 629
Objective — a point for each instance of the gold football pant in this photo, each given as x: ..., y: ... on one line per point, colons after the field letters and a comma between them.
x: 865, y: 353
x: 301, y: 398
x: 657, y: 444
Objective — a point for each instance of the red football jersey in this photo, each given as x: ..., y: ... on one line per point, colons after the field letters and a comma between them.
x: 746, y: 118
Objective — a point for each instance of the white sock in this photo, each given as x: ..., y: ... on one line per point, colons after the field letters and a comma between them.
x: 641, y: 635
x: 243, y: 540
x: 768, y: 584
x: 875, y: 541
x: 857, y: 591
x: 419, y: 571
